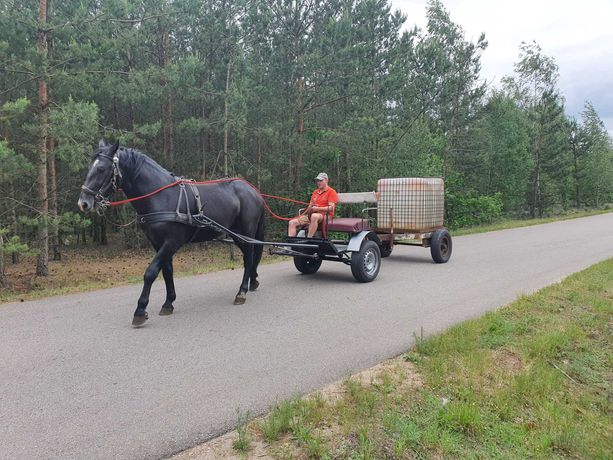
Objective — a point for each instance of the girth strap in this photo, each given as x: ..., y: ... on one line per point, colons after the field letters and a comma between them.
x: 197, y: 197
x: 183, y: 194
x: 195, y: 220
x: 164, y: 216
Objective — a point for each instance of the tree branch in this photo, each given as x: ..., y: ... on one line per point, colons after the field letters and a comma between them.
x: 18, y: 85
x: 313, y: 107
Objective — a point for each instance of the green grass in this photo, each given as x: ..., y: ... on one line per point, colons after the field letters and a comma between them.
x: 530, y: 380
x: 278, y: 422
x: 242, y: 443
x: 506, y: 224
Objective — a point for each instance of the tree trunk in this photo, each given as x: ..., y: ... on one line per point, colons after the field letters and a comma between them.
x: 299, y: 146
x: 42, y: 263
x: 259, y: 162
x: 14, y: 255
x: 225, y: 119
x: 576, y: 175
x: 348, y: 171
x: 167, y: 125
x: 55, y: 236
x: 299, y: 124
x: 203, y: 147
x: 3, y: 282
x: 536, y: 202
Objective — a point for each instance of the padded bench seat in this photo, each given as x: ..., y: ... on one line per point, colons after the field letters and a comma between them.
x: 348, y: 224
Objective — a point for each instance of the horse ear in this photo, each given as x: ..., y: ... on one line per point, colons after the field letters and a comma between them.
x: 101, y: 143
x: 113, y: 148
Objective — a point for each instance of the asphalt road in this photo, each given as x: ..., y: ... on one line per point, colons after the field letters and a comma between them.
x: 76, y: 381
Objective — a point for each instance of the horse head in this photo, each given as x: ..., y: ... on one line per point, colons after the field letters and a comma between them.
x: 101, y: 179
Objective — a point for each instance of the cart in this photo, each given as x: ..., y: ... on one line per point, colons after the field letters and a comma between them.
x: 407, y: 211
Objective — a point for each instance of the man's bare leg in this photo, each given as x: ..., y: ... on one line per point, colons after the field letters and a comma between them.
x: 292, y: 228
x: 314, y: 223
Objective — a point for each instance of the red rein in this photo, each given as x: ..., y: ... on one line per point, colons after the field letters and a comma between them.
x: 263, y: 195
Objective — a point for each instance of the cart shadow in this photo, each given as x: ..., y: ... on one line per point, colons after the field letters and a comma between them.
x: 398, y: 258
x: 323, y: 277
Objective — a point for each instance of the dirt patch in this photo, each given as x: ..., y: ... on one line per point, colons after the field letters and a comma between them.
x: 508, y: 360
x: 221, y: 449
x: 400, y: 374
x: 95, y: 267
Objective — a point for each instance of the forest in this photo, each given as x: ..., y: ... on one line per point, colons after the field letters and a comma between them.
x: 275, y: 91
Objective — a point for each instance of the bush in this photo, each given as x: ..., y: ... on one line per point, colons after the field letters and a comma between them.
x: 470, y: 209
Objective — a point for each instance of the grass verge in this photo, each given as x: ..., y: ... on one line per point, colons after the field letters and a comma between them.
x: 506, y: 224
x: 530, y: 380
x: 92, y: 268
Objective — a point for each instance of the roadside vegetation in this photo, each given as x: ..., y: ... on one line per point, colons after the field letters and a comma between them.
x: 100, y: 267
x: 504, y: 224
x: 530, y: 380
x: 91, y: 268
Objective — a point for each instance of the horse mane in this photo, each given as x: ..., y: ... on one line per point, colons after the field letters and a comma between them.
x: 138, y: 159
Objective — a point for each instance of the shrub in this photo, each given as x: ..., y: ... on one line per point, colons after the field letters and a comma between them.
x: 470, y: 209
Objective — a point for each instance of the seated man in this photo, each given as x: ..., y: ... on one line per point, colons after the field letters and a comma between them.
x: 323, y: 200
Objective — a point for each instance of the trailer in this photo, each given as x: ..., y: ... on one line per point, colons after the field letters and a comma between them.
x: 402, y: 211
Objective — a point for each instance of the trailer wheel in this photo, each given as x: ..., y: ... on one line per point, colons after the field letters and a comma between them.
x: 365, y: 264
x: 307, y: 265
x: 386, y: 250
x: 440, y: 246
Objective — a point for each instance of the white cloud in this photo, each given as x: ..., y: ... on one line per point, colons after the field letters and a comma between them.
x: 578, y: 35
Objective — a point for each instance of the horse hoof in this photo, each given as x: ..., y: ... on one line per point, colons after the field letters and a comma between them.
x: 166, y: 311
x: 240, y: 299
x: 254, y: 285
x: 138, y: 321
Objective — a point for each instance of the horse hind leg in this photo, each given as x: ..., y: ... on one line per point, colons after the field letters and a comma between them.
x: 257, y: 256
x: 171, y: 295
x: 253, y: 273
x: 247, y: 250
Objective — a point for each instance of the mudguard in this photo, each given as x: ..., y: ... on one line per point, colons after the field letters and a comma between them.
x: 355, y: 243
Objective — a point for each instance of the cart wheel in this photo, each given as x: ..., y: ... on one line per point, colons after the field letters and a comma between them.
x: 386, y: 250
x: 440, y: 246
x: 365, y: 264
x: 307, y: 265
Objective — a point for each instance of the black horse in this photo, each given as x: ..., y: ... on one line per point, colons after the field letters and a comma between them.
x: 167, y: 218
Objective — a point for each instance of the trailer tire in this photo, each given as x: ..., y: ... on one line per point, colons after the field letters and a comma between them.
x: 366, y: 262
x: 441, y: 246
x: 307, y: 265
x: 386, y: 250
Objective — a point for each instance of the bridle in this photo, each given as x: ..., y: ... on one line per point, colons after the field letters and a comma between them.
x: 101, y: 198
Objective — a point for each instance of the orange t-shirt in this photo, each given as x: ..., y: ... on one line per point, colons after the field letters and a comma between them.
x: 323, y: 198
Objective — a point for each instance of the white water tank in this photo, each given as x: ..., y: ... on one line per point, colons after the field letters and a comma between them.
x: 410, y: 204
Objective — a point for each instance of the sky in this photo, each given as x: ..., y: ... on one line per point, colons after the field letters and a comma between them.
x: 577, y: 34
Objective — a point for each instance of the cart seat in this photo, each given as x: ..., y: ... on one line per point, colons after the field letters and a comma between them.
x: 348, y: 224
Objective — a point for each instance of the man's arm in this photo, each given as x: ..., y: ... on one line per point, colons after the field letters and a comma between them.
x: 328, y: 208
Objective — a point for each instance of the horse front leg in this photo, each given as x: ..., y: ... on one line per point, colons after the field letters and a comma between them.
x: 171, y: 295
x: 247, y: 250
x: 161, y: 258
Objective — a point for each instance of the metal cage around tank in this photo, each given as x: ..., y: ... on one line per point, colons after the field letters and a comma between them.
x: 410, y: 204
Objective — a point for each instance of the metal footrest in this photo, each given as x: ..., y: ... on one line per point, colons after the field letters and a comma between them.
x: 280, y: 251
